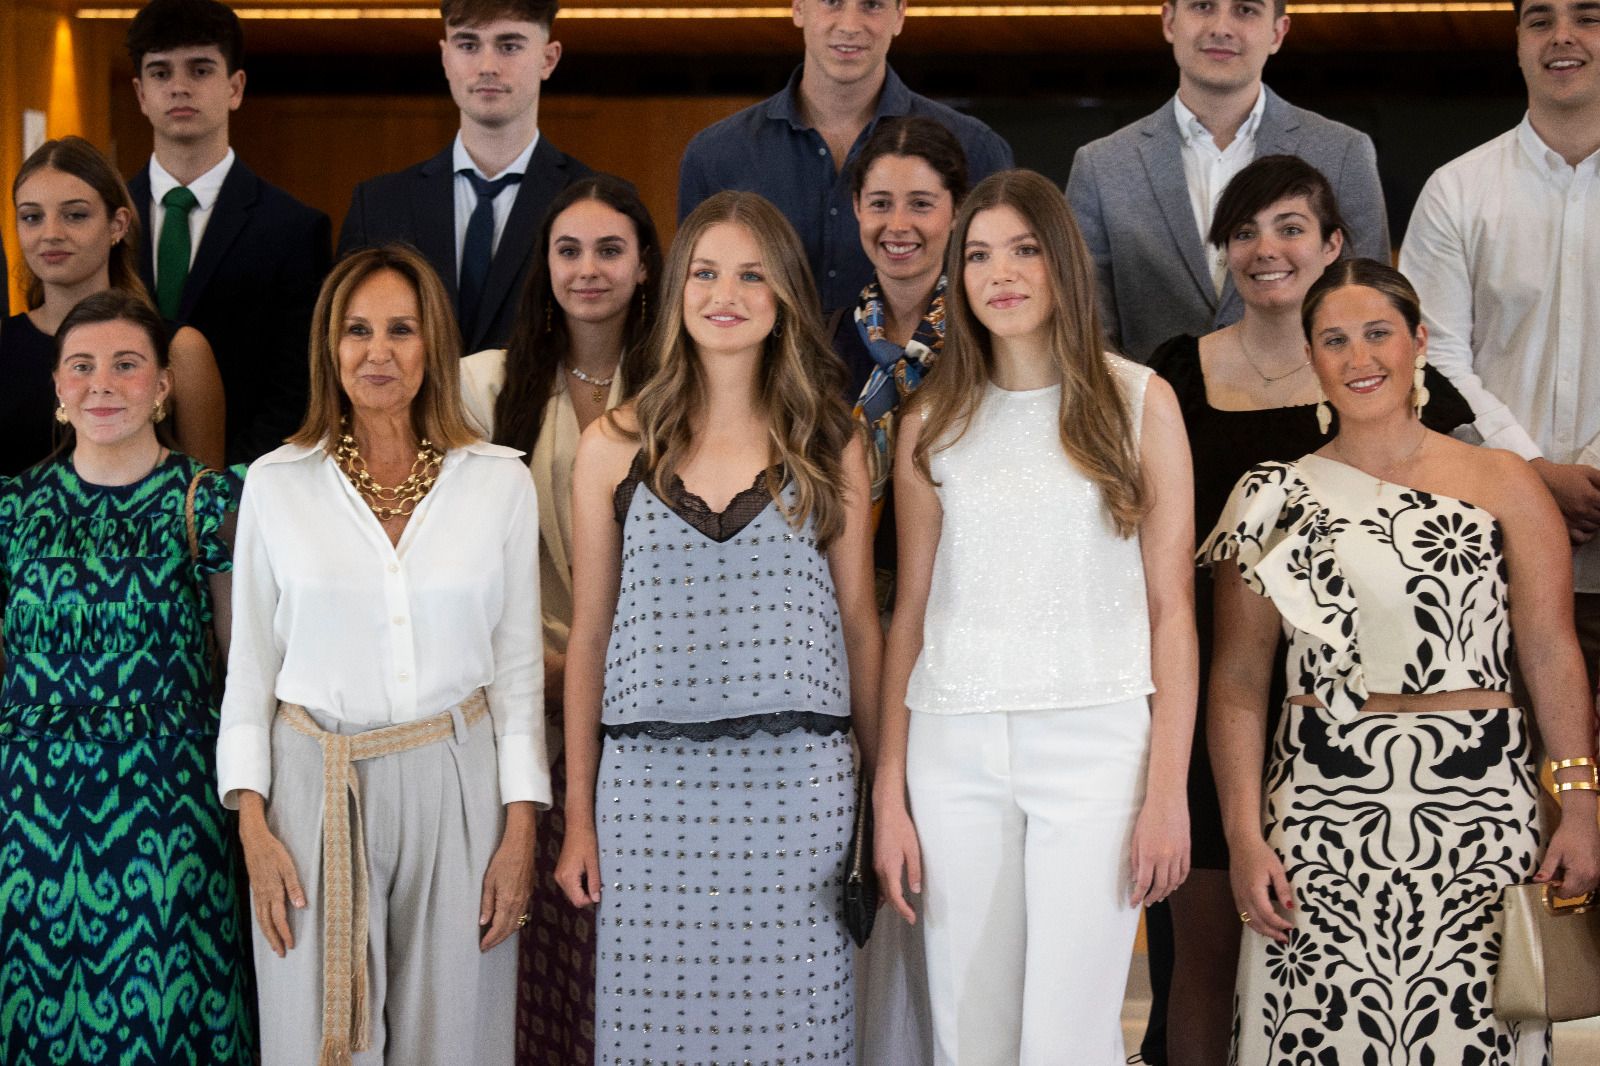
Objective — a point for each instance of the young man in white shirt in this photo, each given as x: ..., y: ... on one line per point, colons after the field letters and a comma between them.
x: 223, y: 251
x: 475, y: 208
x: 1144, y: 195
x: 1504, y: 249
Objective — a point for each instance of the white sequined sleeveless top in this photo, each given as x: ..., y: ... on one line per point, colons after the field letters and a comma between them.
x: 1036, y: 602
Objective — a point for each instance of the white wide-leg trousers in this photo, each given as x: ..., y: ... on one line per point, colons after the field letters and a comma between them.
x: 1025, y: 821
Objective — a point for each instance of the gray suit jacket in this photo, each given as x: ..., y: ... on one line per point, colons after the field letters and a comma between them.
x: 1132, y: 202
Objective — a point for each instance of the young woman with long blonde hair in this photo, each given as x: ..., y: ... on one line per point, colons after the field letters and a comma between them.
x: 724, y: 640
x: 1042, y: 653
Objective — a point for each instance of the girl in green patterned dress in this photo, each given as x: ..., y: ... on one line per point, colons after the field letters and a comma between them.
x: 120, y: 935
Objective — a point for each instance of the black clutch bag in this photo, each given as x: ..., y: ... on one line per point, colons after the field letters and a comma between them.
x: 860, y: 882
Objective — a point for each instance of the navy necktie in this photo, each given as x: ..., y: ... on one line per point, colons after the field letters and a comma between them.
x: 478, y: 247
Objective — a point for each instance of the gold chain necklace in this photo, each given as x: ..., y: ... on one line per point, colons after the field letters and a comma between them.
x: 400, y: 500
x: 1268, y: 379
x: 1383, y: 476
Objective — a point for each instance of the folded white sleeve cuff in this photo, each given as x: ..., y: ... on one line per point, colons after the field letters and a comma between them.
x: 1504, y: 432
x: 524, y: 773
x: 244, y: 761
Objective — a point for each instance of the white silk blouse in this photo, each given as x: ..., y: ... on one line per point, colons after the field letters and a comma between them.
x: 329, y: 615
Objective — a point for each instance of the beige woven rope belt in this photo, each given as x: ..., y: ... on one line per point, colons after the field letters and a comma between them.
x: 345, y: 1025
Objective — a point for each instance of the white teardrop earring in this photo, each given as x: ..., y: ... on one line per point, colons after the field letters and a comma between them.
x: 1419, y: 386
x: 1324, y: 412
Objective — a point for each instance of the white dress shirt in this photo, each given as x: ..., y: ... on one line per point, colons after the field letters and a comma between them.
x: 1207, y: 170
x: 329, y: 615
x: 206, y: 188
x: 467, y: 196
x: 1504, y: 249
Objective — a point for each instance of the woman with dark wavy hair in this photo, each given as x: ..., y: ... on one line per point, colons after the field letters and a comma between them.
x: 724, y: 642
x: 577, y: 350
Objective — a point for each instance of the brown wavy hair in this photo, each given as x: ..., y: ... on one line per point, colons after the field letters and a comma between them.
x: 436, y: 413
x: 801, y: 379
x: 82, y: 160
x: 1097, y: 430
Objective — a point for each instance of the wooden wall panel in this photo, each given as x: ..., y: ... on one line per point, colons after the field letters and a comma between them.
x: 53, y: 64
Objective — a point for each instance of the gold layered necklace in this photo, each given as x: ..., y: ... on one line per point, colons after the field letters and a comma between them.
x: 386, y: 502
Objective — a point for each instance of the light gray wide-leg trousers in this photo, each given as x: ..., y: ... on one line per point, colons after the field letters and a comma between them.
x: 432, y: 819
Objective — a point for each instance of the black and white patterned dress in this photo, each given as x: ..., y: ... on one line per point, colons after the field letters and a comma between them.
x: 1397, y: 831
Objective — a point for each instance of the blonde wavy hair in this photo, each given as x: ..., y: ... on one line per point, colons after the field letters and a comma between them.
x: 1097, y: 430
x: 801, y: 379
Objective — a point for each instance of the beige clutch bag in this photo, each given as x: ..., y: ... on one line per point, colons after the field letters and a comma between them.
x: 1549, y: 957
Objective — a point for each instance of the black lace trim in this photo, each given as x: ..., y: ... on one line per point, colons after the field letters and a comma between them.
x: 775, y: 724
x: 720, y: 526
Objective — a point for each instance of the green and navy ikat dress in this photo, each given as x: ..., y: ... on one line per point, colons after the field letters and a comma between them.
x: 121, y: 927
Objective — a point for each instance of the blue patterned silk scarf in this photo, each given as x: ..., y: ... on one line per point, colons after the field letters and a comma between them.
x: 898, y: 374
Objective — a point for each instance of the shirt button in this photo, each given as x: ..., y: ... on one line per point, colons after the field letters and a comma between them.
x: 394, y: 568
x: 833, y: 273
x: 833, y: 210
x: 404, y: 676
x: 399, y: 619
x: 822, y: 151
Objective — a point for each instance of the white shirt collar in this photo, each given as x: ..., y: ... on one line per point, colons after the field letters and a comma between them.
x: 1548, y: 158
x: 206, y: 188
x: 294, y: 453
x: 460, y: 160
x: 1194, y: 131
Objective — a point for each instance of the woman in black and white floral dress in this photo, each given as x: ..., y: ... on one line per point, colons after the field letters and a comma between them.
x: 1399, y: 797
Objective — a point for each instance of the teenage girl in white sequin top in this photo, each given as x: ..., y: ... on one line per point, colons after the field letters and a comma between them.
x: 1042, y: 654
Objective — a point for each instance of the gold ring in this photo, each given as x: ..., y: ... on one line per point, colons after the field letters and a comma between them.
x: 522, y: 920
x: 1244, y: 916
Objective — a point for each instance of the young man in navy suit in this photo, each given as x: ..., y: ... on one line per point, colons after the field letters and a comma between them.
x: 236, y: 258
x: 474, y: 209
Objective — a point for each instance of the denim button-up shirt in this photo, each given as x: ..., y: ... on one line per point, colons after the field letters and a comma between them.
x: 768, y: 148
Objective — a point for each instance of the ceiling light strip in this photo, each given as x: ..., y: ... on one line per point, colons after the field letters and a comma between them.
x: 690, y: 14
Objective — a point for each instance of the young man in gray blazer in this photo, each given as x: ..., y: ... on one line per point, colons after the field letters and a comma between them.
x: 1144, y: 196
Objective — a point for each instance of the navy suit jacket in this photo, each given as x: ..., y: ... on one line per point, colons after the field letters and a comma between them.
x: 250, y: 291
x: 418, y: 206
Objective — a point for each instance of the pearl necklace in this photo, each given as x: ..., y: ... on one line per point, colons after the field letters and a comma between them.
x: 600, y: 384
x: 389, y: 502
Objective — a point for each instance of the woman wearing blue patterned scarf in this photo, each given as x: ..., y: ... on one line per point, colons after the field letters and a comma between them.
x: 909, y: 180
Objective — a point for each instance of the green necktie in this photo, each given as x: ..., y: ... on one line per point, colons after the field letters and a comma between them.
x: 172, y: 252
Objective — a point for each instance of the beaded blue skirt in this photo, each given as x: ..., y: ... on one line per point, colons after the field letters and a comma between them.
x: 719, y: 935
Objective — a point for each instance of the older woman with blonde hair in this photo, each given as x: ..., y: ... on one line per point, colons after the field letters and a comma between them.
x: 382, y: 733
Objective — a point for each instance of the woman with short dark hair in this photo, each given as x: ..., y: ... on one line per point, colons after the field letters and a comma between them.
x: 1248, y: 395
